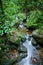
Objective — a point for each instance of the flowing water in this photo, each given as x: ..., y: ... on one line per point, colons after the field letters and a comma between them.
x: 33, y: 58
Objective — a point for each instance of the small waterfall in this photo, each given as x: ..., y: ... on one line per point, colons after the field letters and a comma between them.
x: 31, y: 53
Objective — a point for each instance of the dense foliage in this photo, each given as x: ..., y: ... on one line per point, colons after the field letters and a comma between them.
x: 13, y: 12
x: 35, y: 19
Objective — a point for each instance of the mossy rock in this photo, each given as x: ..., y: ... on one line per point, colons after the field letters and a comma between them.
x: 38, y: 36
x: 14, y: 37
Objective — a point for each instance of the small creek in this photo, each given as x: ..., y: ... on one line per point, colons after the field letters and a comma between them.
x: 34, y: 52
x: 33, y: 57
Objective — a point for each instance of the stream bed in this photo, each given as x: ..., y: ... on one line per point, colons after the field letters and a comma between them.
x: 34, y: 53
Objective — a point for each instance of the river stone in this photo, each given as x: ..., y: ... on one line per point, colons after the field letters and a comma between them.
x: 22, y: 49
x: 21, y: 56
x: 38, y: 36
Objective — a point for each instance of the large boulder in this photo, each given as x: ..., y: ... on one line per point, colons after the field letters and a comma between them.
x: 38, y: 36
x: 14, y: 37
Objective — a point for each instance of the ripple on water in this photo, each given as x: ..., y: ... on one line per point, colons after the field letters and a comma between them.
x: 32, y: 56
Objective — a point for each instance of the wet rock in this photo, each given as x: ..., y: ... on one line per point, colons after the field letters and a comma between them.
x: 29, y: 38
x: 23, y: 39
x: 38, y: 36
x: 22, y: 49
x: 34, y: 43
x: 21, y: 56
x: 34, y: 60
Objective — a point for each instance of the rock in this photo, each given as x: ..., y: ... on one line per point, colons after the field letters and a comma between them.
x: 12, y: 55
x: 21, y: 56
x: 34, y: 60
x: 22, y: 29
x: 41, y: 53
x: 34, y: 42
x: 23, y: 39
x: 22, y: 49
x: 38, y: 36
x: 14, y: 36
x: 38, y: 47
